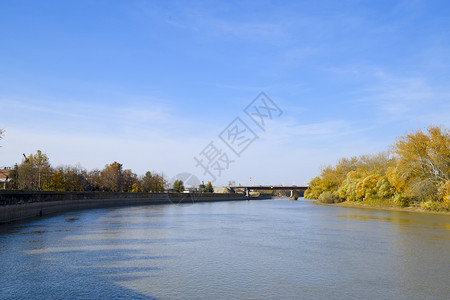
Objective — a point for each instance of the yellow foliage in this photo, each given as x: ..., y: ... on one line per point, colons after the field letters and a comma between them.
x: 329, y: 197
x: 444, y: 190
x: 424, y: 160
x: 396, y: 179
x: 314, y: 190
x: 384, y: 188
x: 369, y: 185
x: 348, y: 189
x: 135, y: 188
x: 420, y: 172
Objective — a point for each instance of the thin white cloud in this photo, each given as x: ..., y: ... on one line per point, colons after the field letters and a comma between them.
x: 221, y: 20
x: 95, y: 150
x: 404, y: 96
x: 250, y: 29
x: 133, y: 117
x: 287, y: 130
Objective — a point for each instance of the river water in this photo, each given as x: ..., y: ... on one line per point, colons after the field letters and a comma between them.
x: 272, y: 249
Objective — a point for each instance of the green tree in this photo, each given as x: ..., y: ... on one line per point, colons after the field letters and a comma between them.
x: 153, y: 182
x: 209, y: 188
x: 13, y: 180
x: 146, y: 182
x: 34, y: 172
x: 202, y: 188
x: 178, y: 186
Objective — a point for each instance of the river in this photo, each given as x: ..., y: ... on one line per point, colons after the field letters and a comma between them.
x: 271, y: 249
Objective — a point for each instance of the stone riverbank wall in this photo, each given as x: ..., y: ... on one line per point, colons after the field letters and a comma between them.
x: 19, y: 205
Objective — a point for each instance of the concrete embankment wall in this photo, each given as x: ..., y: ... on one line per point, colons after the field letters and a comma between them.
x: 19, y: 205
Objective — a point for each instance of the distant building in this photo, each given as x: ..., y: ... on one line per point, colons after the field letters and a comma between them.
x: 190, y: 190
x: 4, y: 177
x: 186, y: 190
x: 221, y: 190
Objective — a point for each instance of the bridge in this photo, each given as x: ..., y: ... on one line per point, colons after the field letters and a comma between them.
x: 248, y: 188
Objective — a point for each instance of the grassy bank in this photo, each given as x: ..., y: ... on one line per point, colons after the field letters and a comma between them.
x: 381, y: 206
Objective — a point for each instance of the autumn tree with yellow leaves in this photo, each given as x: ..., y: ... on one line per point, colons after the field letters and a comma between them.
x: 36, y: 173
x: 424, y: 163
x: 67, y: 178
x: 416, y: 172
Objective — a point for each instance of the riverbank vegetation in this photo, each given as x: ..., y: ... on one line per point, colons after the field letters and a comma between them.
x: 36, y: 173
x: 414, y: 173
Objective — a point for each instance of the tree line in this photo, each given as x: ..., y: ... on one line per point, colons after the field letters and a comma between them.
x: 415, y: 172
x: 178, y: 186
x: 36, y: 173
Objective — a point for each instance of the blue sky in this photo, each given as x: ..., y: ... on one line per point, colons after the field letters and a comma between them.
x: 151, y: 83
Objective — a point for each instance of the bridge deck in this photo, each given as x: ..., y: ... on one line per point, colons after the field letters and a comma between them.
x: 272, y: 188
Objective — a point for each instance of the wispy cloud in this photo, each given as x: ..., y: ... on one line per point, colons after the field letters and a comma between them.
x: 403, y: 96
x: 350, y: 76
x: 291, y: 129
x: 249, y: 29
x: 90, y: 117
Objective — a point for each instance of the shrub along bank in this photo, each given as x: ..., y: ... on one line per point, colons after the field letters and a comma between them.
x: 415, y: 173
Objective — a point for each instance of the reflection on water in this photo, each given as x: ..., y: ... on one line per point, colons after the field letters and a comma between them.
x: 376, y: 218
x: 257, y: 249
